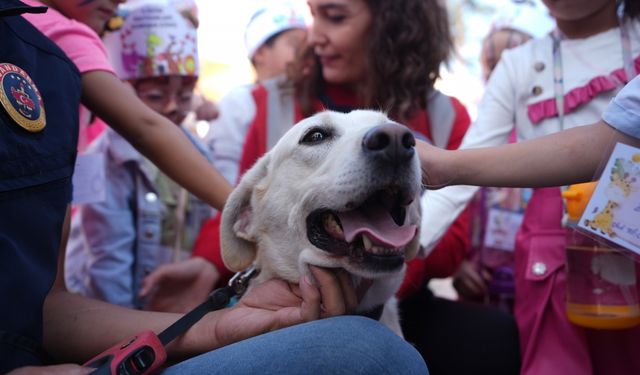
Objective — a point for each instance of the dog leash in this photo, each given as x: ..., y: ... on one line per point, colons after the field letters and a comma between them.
x: 145, y: 352
x: 217, y: 300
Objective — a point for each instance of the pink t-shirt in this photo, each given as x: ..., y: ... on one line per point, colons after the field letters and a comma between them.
x: 84, y: 47
x: 81, y: 44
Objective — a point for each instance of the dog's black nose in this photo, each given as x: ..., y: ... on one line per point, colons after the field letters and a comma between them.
x: 391, y: 142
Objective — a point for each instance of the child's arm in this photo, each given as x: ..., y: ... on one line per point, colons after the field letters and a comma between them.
x: 558, y: 159
x: 154, y: 136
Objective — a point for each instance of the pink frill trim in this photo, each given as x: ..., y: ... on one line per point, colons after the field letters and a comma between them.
x: 578, y: 96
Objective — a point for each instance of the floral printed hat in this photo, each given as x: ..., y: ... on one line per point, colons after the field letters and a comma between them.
x: 155, y: 40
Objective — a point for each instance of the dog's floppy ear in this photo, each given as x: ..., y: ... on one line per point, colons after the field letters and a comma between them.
x: 236, y: 230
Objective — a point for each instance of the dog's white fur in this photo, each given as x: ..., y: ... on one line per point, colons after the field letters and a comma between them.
x: 264, y: 220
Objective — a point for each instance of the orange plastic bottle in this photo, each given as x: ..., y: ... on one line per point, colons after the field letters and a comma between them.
x: 602, y: 292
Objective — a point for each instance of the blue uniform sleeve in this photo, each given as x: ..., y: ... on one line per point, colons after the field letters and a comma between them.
x: 623, y: 113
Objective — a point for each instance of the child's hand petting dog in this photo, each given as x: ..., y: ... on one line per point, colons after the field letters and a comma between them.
x: 435, y: 173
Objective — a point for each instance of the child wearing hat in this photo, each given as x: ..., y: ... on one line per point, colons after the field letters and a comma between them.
x: 146, y: 218
x: 272, y: 36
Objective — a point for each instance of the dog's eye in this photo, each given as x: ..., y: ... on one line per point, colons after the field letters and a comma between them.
x: 315, y: 135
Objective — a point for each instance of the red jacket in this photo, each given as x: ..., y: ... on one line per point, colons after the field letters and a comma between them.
x: 441, y: 262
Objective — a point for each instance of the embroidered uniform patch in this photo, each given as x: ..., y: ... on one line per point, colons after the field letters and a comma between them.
x: 21, y: 99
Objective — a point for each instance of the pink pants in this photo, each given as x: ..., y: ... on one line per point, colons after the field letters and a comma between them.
x: 549, y: 342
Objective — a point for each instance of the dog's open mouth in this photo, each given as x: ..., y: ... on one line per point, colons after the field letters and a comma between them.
x: 374, y: 234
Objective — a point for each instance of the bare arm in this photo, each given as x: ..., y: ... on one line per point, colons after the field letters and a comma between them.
x: 558, y: 159
x: 154, y: 136
x: 77, y: 328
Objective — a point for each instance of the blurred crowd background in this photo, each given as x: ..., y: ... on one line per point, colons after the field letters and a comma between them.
x: 225, y: 65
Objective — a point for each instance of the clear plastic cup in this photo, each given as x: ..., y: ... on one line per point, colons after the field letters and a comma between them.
x: 602, y: 289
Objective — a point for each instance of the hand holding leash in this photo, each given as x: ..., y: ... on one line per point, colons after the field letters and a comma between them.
x: 145, y: 353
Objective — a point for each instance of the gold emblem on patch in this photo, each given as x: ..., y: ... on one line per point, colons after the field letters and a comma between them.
x: 21, y: 99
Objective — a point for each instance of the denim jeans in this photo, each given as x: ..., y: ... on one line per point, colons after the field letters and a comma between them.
x: 340, y: 345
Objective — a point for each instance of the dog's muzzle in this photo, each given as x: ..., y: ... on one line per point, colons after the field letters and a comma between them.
x: 373, y: 236
x: 373, y: 233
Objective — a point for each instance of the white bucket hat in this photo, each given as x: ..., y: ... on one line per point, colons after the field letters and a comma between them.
x: 268, y: 21
x: 154, y: 40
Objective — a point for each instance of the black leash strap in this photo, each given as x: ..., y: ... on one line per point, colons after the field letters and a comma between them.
x: 217, y: 300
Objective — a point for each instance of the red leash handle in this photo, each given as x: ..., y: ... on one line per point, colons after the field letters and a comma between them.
x: 144, y: 353
x: 140, y: 354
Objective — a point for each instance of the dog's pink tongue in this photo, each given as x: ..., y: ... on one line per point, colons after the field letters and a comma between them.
x: 378, y: 225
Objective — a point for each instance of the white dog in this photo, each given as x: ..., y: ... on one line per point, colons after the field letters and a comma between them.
x: 338, y: 191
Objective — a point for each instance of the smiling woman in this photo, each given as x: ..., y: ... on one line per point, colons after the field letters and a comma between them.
x: 337, y: 34
x: 387, y: 54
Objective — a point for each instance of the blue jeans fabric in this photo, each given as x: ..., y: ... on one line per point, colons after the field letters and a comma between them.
x: 341, y: 345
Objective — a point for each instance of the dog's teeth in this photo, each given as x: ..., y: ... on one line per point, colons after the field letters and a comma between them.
x: 369, y: 247
x: 366, y: 242
x: 332, y: 225
x: 337, y: 227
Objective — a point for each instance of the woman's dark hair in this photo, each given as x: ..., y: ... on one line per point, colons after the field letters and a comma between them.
x: 409, y: 40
